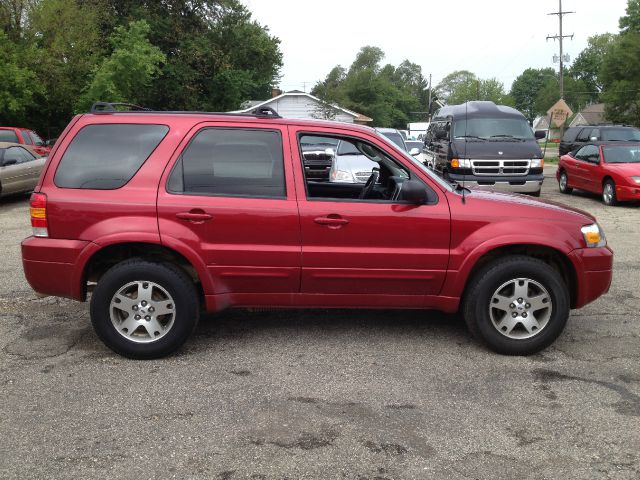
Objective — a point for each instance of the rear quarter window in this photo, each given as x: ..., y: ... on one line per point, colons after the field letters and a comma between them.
x: 106, y: 157
x: 8, y: 136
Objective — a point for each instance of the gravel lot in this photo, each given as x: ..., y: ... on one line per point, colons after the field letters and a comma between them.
x: 321, y: 394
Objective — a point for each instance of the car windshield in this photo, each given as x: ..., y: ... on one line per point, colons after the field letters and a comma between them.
x: 412, y: 144
x: 8, y: 136
x: 621, y: 135
x: 493, y: 129
x: 395, y: 137
x: 622, y: 154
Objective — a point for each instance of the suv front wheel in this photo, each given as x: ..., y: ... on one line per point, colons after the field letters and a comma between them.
x: 143, y: 309
x: 517, y: 305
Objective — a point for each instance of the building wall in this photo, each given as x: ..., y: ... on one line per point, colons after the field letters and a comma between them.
x: 302, y: 107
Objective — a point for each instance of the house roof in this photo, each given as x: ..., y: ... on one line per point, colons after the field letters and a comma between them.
x: 247, y: 107
x: 593, y: 114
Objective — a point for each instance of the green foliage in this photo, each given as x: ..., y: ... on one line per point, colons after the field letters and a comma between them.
x: 631, y: 21
x: 621, y: 78
x: 17, y: 86
x: 386, y: 93
x: 463, y: 86
x: 588, y: 63
x: 526, y: 89
x: 129, y: 69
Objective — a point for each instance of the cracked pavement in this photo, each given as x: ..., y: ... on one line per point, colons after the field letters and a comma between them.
x: 322, y: 394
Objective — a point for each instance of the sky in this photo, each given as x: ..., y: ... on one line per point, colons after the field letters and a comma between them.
x: 491, y: 38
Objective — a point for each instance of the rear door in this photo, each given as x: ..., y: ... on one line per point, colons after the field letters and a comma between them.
x: 228, y: 196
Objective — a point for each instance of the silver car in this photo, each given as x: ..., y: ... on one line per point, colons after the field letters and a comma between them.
x: 20, y: 168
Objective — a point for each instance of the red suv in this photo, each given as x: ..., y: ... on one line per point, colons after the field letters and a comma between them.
x: 161, y: 215
x: 24, y: 136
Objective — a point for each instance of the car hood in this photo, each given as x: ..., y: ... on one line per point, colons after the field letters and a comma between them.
x: 516, y: 205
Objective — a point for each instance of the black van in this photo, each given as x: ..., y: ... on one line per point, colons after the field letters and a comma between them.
x: 485, y: 145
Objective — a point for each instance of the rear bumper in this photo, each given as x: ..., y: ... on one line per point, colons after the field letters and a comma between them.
x: 521, y: 184
x: 594, y: 272
x: 627, y: 194
x: 50, y: 266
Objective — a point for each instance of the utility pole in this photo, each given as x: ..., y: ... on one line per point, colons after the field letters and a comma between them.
x: 560, y: 37
x: 429, y: 104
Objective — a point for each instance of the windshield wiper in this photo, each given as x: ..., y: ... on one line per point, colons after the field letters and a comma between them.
x: 511, y: 137
x: 469, y: 136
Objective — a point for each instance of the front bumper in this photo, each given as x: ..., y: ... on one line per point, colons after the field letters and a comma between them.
x: 594, y: 272
x: 517, y: 184
x: 627, y: 194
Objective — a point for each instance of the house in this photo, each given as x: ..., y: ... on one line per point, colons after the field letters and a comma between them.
x: 297, y: 104
x: 591, y: 115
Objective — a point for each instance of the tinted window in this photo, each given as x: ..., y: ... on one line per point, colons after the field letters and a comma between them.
x: 36, y: 139
x: 26, y: 138
x: 493, y: 128
x: 106, y: 157
x: 395, y: 138
x: 231, y: 162
x: 570, y: 134
x: 588, y: 152
x: 8, y: 136
x: 583, y: 136
x: 620, y: 134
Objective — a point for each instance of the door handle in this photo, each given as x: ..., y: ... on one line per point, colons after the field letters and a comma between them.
x: 331, y: 221
x: 195, y: 216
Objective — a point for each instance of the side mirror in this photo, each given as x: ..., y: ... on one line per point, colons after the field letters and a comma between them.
x: 6, y: 163
x: 414, y: 192
x: 540, y: 134
x: 414, y: 151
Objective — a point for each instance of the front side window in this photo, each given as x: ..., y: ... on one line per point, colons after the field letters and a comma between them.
x: 20, y: 155
x: 107, y: 156
x: 36, y: 139
x: 360, y: 171
x: 588, y: 153
x: 231, y: 162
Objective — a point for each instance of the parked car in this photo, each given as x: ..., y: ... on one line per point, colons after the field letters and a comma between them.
x: 25, y: 136
x: 20, y: 168
x: 156, y: 214
x: 482, y: 144
x: 576, y: 137
x: 413, y: 146
x: 318, y: 157
x: 611, y: 170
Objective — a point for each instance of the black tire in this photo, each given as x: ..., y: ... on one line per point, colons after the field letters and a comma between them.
x: 183, y: 299
x: 536, y: 194
x: 477, y: 301
x: 566, y: 188
x: 609, y: 199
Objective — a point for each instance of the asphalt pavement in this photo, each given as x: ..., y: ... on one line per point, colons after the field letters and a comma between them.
x: 322, y: 394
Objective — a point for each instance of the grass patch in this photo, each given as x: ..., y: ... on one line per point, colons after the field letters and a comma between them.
x: 551, y: 160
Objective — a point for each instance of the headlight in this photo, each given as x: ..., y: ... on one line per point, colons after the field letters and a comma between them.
x: 593, y: 236
x: 461, y: 163
x: 342, y: 176
x: 537, y: 163
x: 635, y: 179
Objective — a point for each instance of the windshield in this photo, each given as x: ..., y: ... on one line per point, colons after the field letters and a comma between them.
x: 493, y: 128
x: 395, y: 137
x: 412, y: 144
x: 621, y: 154
x: 620, y: 134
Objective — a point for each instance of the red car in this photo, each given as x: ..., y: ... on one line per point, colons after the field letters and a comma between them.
x: 25, y: 137
x: 611, y: 170
x: 161, y: 214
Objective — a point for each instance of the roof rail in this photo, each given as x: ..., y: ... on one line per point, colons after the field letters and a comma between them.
x: 98, y: 107
x: 265, y: 112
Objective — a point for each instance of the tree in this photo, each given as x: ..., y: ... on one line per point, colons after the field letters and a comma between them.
x: 129, y: 69
x: 17, y: 84
x: 463, y: 86
x: 631, y: 21
x: 588, y: 63
x: 526, y: 88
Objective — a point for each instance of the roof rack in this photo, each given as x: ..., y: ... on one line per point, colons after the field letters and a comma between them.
x: 111, y: 107
x: 108, y: 107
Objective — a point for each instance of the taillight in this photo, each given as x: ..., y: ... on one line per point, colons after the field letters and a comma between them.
x: 39, y: 215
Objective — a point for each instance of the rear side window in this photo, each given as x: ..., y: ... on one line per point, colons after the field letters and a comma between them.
x: 106, y: 157
x: 570, y: 134
x: 8, y: 136
x: 26, y: 138
x: 584, y: 135
x: 231, y: 162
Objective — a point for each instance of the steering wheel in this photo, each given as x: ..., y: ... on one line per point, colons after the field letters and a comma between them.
x: 371, y: 182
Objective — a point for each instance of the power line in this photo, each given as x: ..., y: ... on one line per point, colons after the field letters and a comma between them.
x: 560, y: 13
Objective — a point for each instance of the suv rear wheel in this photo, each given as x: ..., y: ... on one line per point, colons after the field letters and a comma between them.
x: 143, y: 309
x: 517, y: 305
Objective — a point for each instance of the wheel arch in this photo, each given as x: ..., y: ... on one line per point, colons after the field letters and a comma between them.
x: 549, y: 255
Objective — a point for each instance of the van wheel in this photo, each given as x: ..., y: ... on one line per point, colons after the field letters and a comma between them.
x: 609, y: 193
x: 563, y: 183
x: 517, y: 305
x: 143, y: 309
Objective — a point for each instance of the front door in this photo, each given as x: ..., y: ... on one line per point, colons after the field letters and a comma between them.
x: 363, y: 239
x: 228, y: 196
